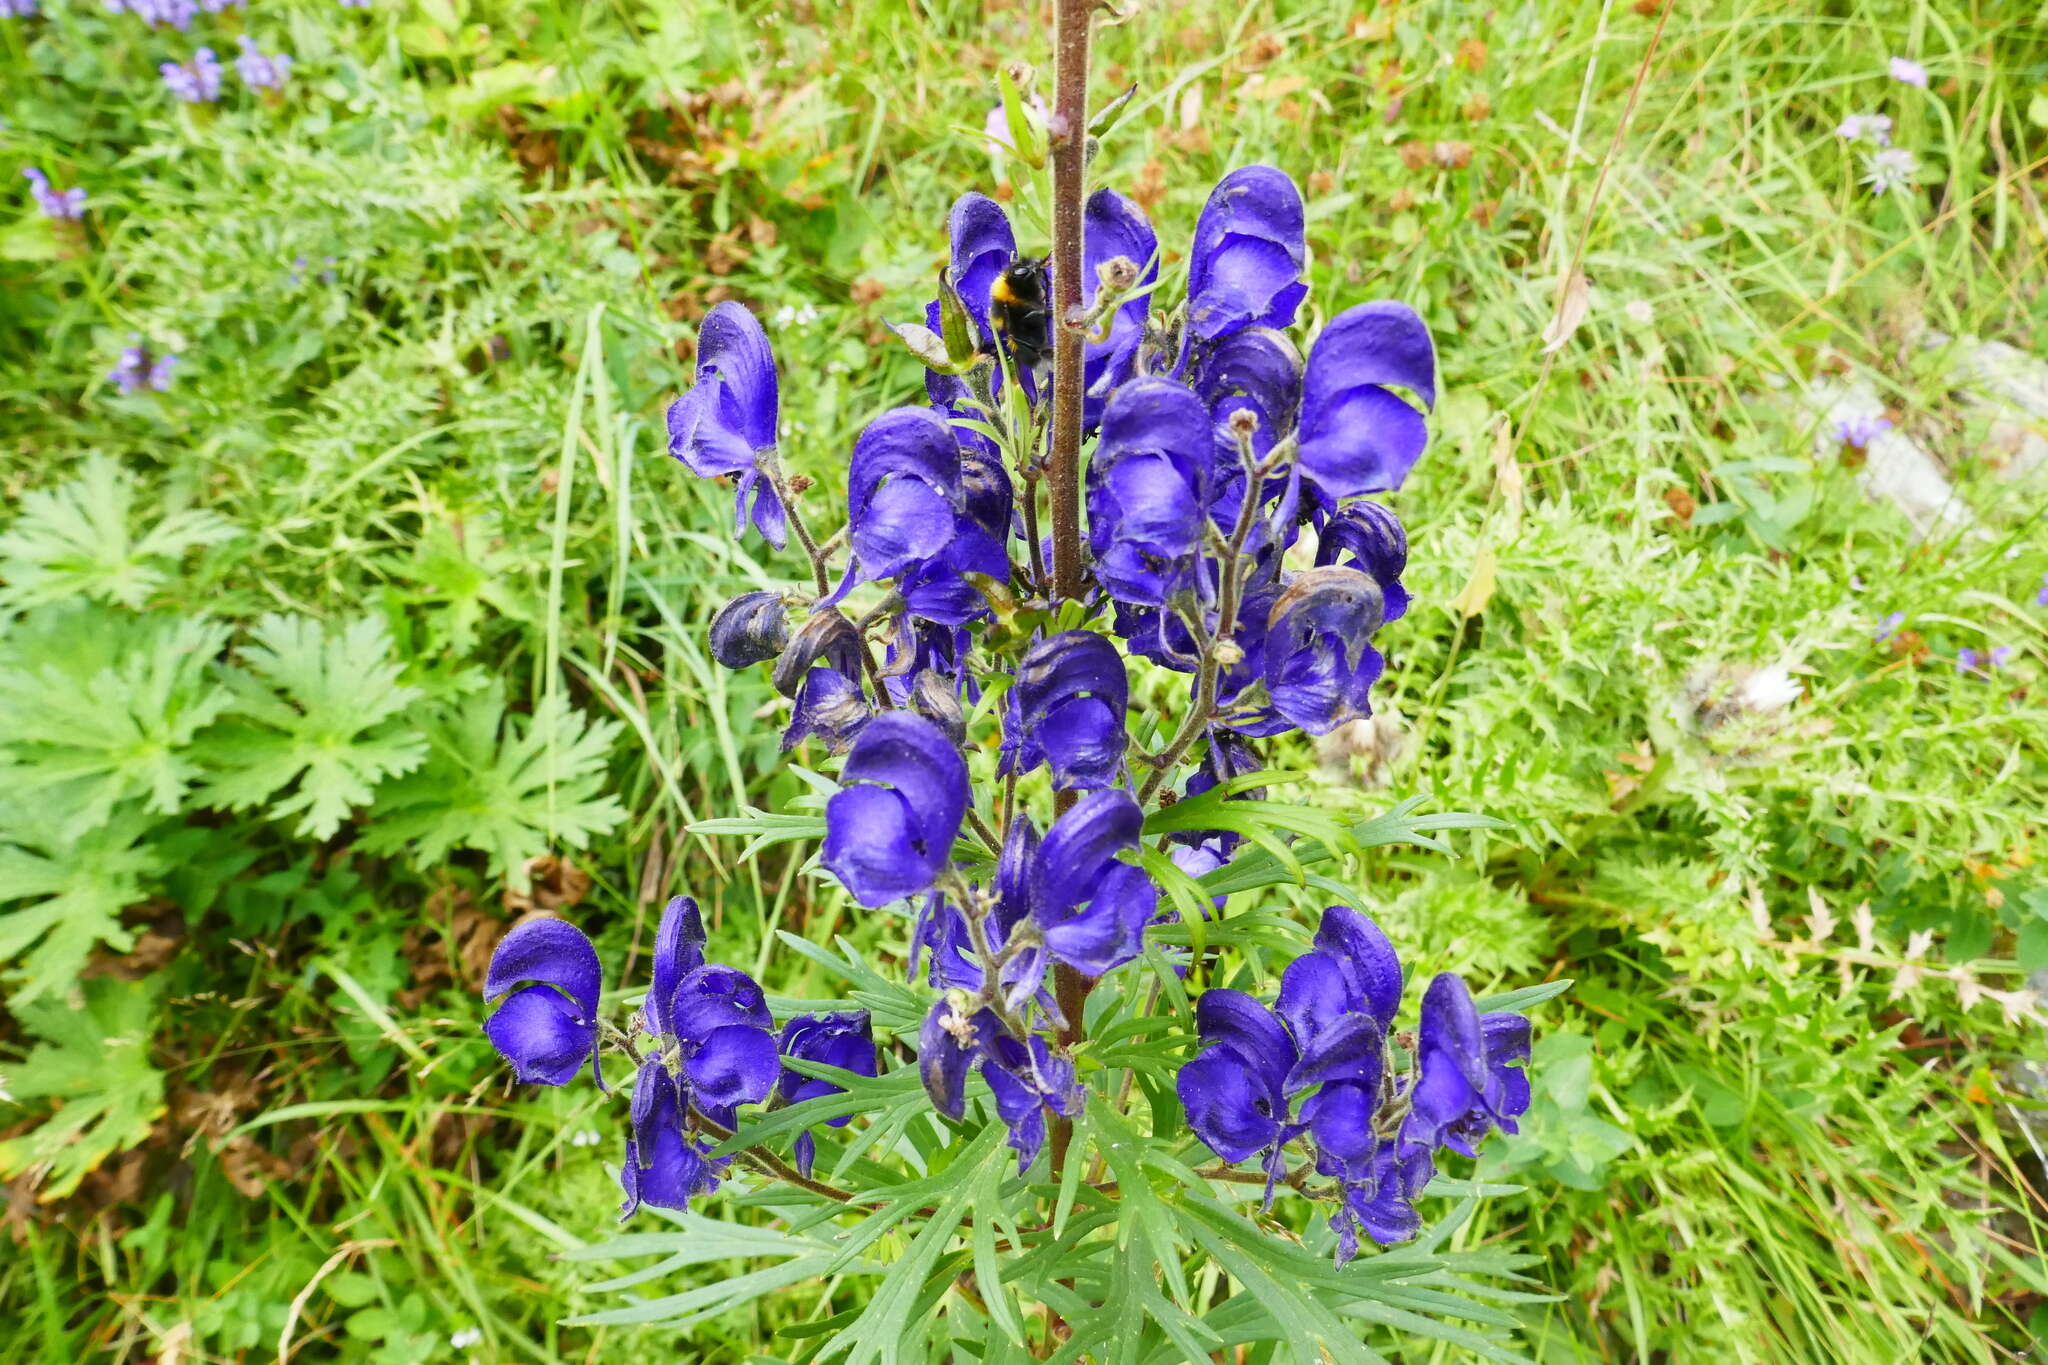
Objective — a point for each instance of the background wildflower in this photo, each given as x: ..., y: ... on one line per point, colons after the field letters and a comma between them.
x: 1889, y: 169
x: 196, y: 81
x: 1909, y: 71
x: 55, y: 204
x: 260, y: 70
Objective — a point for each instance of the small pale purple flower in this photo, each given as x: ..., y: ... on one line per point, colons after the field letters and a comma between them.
x: 260, y: 70
x: 546, y: 1027
x: 1890, y: 169
x: 196, y: 81
x: 1875, y: 128
x: 2041, y: 593
x: 1356, y: 435
x: 1249, y: 252
x: 55, y: 204
x: 1068, y: 710
x: 1859, y: 431
x: 177, y: 14
x: 140, y: 368
x: 1889, y: 626
x: 17, y: 9
x: 1981, y: 662
x: 889, y: 831
x: 1908, y: 71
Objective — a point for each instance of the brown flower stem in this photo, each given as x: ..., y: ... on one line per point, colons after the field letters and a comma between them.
x: 1069, y: 138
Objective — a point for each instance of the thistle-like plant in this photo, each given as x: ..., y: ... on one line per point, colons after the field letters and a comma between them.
x: 1186, y: 488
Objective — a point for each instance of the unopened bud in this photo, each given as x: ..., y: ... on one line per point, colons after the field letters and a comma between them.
x: 1117, y: 274
x: 1243, y: 424
x: 799, y: 483
x: 1229, y: 653
x: 932, y: 696
x: 956, y: 324
x: 750, y: 629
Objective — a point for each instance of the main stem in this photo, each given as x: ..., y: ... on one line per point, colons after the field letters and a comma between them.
x: 1069, y: 187
x: 1063, y: 468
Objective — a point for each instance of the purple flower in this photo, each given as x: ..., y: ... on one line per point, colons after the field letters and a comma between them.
x: 946, y: 1047
x: 904, y: 492
x: 1256, y: 370
x: 1981, y: 662
x: 1890, y: 169
x: 1356, y: 436
x: 713, y: 1018
x: 2041, y: 593
x: 819, y: 670
x: 845, y: 1040
x: 1091, y: 906
x: 547, y: 1028
x: 1113, y: 227
x: 1067, y: 709
x: 17, y: 9
x: 1889, y: 626
x: 1249, y: 251
x: 889, y: 832
x: 1149, y: 485
x: 196, y: 81
x: 1859, y: 431
x: 55, y: 204
x: 726, y: 424
x: 177, y: 14
x: 1370, y: 538
x: 140, y: 368
x: 1471, y: 1079
x: 664, y: 1166
x: 750, y: 629
x: 1319, y: 663
x: 260, y: 70
x: 982, y: 247
x: 1875, y: 128
x: 1027, y: 1079
x: 1910, y: 72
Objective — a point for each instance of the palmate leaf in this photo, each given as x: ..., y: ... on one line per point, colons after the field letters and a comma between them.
x: 75, y: 541
x: 99, y: 706
x: 94, y: 1063
x: 314, y: 708
x: 74, y: 889
x: 503, y: 784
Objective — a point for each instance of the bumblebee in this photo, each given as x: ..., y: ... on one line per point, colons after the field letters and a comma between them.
x: 1020, y: 311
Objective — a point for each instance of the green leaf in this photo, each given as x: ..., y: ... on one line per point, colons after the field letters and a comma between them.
x: 507, y: 785
x: 1252, y: 870
x: 316, y: 705
x: 94, y: 1062
x: 75, y: 891
x: 99, y: 706
x: 75, y: 541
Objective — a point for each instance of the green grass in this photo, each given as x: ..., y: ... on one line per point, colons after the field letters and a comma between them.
x: 1742, y: 1151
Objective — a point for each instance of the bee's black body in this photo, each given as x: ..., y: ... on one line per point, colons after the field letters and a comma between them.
x: 1020, y: 311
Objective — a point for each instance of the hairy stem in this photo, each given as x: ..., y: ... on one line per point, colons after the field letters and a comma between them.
x: 1069, y: 172
x: 771, y: 465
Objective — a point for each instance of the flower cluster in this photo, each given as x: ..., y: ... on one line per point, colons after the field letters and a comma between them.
x: 704, y: 1043
x: 1328, y: 1037
x: 55, y: 204
x: 1221, y: 527
x: 196, y: 81
x: 141, y: 368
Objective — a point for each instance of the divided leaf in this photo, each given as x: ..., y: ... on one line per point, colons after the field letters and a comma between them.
x: 94, y: 1062
x: 74, y: 541
x: 504, y: 784
x: 320, y: 709
x: 99, y: 706
x: 76, y: 891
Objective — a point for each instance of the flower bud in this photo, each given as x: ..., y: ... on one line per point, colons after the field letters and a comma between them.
x: 750, y: 629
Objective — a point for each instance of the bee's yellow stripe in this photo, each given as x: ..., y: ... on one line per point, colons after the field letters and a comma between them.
x: 1001, y: 292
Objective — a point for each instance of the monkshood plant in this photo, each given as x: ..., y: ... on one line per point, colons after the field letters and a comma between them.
x: 1066, y: 1132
